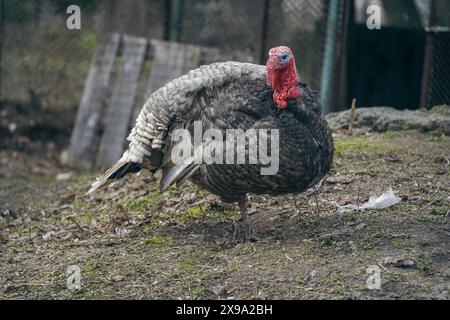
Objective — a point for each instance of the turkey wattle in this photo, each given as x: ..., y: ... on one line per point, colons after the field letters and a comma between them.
x: 233, y: 95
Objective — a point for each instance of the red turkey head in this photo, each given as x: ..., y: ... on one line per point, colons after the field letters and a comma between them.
x: 282, y: 75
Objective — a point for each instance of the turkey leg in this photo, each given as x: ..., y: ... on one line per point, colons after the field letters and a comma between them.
x: 243, y: 208
x: 243, y: 229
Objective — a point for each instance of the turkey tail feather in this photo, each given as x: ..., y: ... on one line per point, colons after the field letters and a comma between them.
x: 117, y: 171
x: 178, y: 173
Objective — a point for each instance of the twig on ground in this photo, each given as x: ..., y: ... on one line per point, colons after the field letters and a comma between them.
x: 434, y: 199
x: 352, y: 117
x: 72, y: 219
x: 382, y: 266
x: 446, y: 158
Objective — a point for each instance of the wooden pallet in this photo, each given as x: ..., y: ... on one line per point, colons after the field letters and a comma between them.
x: 108, y: 107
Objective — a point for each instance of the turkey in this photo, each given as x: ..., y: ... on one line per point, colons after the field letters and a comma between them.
x: 267, y: 100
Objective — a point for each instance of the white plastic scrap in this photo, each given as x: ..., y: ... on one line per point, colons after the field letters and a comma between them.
x: 386, y: 200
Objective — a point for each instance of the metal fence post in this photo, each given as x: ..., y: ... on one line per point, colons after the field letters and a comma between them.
x: 428, y: 57
x: 175, y: 20
x: 265, y: 22
x: 329, y: 59
x: 2, y: 20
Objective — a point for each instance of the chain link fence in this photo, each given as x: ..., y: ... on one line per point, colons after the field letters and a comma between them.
x: 254, y: 26
x: 44, y: 64
x: 436, y: 81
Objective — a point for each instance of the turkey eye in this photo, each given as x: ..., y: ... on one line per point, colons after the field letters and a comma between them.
x: 284, y: 56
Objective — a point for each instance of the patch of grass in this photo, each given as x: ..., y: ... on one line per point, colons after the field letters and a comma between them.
x: 81, y: 184
x: 399, y: 242
x: 328, y: 241
x: 401, y: 208
x: 426, y: 243
x: 193, y: 213
x: 150, y: 226
x: 89, y: 267
x: 221, y: 211
x: 399, y: 276
x: 141, y: 203
x: 232, y: 269
x: 425, y: 266
x: 198, y: 293
x: 159, y: 241
x: 201, y: 193
x: 434, y: 135
x: 333, y: 280
x: 362, y: 287
x: 349, y: 216
x: 80, y: 204
x: 345, y: 147
x: 360, y: 145
x: 189, y: 264
x: 173, y: 190
x: 389, y: 134
x: 248, y: 249
x: 428, y: 218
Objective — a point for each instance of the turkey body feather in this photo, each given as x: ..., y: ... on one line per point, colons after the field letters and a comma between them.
x: 229, y: 95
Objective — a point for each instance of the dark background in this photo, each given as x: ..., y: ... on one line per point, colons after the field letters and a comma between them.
x: 44, y: 66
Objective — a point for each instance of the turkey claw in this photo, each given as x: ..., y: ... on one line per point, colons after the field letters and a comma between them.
x: 243, y: 231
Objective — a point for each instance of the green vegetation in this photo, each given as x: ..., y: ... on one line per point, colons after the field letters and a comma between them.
x: 360, y: 145
x: 140, y: 204
x: 159, y: 241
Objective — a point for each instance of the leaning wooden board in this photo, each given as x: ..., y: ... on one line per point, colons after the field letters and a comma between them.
x: 113, y: 116
x: 83, y: 140
x: 170, y: 60
x: 118, y: 115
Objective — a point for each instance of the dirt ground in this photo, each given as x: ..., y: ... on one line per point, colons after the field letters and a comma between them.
x: 132, y: 242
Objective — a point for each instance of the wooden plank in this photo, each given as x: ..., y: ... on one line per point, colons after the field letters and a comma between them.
x: 210, y: 55
x: 82, y: 145
x: 122, y: 100
x: 192, y: 58
x: 169, y: 62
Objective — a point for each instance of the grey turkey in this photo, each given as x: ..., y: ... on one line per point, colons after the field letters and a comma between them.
x: 233, y: 95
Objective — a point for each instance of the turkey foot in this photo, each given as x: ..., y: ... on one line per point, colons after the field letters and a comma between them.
x: 243, y: 230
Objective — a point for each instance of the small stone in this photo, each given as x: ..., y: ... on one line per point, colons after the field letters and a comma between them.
x: 310, y: 277
x: 63, y: 176
x: 405, y: 263
x: 399, y: 263
x: 339, y: 179
x: 361, y: 226
x: 12, y: 127
x: 46, y: 237
x: 118, y: 278
x: 219, y: 290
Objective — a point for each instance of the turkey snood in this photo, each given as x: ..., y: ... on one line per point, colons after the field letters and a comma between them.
x: 282, y: 76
